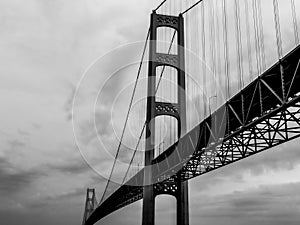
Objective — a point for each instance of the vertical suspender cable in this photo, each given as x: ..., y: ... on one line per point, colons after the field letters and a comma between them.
x: 295, y: 22
x: 256, y: 32
x: 248, y: 38
x: 296, y: 33
x: 190, y: 66
x: 277, y: 28
x: 225, y: 40
x: 279, y: 44
x: 203, y: 59
x: 239, y: 44
x: 218, y: 30
x: 212, y: 46
x: 160, y: 5
x: 197, y: 50
x: 261, y: 35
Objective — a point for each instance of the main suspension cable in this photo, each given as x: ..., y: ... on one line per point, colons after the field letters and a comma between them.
x: 160, y: 5
x: 191, y: 7
x: 128, y: 112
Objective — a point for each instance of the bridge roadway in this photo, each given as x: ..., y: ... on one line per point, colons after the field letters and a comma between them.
x: 264, y: 114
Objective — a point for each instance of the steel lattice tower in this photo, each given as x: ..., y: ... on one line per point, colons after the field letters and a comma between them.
x: 175, y: 187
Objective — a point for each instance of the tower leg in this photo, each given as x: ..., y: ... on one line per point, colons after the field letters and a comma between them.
x: 182, y: 196
x: 183, y: 204
x: 148, y: 192
x: 148, y: 217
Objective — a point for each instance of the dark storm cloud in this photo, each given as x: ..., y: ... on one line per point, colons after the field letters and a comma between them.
x: 76, y: 193
x: 70, y: 163
x: 23, y: 133
x: 212, y: 179
x: 73, y: 167
x: 271, y: 204
x: 15, y: 143
x: 36, y: 126
x: 13, y: 179
x: 59, y: 198
x: 284, y: 157
x: 74, y: 33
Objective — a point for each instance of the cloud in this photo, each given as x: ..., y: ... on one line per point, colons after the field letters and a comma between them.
x: 46, y: 44
x: 36, y: 126
x: 15, y: 144
x: 283, y: 157
x: 59, y: 198
x: 269, y: 204
x: 280, y: 158
x: 23, y: 133
x: 70, y: 167
x: 102, y: 123
x: 13, y: 179
x: 69, y: 102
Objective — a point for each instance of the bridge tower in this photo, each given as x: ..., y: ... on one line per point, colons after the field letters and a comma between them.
x: 176, y: 187
x: 90, y: 204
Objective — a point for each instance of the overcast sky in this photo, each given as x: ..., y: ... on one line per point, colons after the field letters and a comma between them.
x: 46, y: 46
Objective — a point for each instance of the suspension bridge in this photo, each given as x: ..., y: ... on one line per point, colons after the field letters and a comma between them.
x: 222, y: 85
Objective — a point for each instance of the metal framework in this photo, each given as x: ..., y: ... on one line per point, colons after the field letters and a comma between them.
x: 264, y: 114
x: 175, y: 187
x: 90, y: 204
